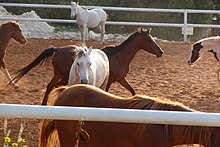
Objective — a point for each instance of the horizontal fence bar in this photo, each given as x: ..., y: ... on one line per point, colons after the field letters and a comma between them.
x: 113, y: 22
x: 109, y: 115
x: 108, y: 22
x: 111, y: 8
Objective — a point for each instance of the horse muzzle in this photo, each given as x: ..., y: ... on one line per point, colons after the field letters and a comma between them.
x: 84, y: 81
x: 190, y: 63
x: 24, y: 41
x: 160, y: 54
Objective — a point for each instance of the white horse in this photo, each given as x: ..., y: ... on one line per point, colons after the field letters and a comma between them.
x: 95, y: 18
x: 91, y: 66
x: 210, y: 44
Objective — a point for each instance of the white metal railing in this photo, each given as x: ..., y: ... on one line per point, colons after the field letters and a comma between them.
x: 184, y: 11
x: 109, y: 115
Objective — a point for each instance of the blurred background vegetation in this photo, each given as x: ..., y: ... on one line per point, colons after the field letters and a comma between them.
x: 169, y: 33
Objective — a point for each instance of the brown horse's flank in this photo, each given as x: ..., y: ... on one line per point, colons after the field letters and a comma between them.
x: 148, y: 135
x: 57, y: 54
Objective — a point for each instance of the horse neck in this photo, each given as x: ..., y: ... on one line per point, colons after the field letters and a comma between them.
x: 128, y: 51
x: 7, y: 36
x: 206, y: 136
x: 81, y: 12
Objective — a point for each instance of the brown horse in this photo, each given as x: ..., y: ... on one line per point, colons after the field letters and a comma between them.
x: 119, y: 60
x: 9, y: 30
x: 109, y: 134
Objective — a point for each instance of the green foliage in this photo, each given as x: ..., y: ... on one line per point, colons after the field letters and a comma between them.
x: 160, y: 32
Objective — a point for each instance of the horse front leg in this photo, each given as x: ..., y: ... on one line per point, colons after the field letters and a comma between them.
x: 7, y: 74
x: 102, y: 32
x: 87, y: 33
x: 81, y: 31
x: 84, y: 33
x: 125, y: 84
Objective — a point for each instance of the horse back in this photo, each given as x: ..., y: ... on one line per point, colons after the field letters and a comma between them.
x: 88, y: 96
x: 98, y: 14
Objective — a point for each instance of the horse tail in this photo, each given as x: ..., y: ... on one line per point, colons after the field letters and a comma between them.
x: 40, y: 59
x: 48, y: 133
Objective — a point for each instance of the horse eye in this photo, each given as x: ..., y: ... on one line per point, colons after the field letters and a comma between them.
x: 77, y: 63
x: 90, y: 64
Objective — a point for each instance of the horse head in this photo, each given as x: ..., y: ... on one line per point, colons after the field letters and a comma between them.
x: 195, y: 53
x: 83, y: 63
x: 74, y: 9
x: 17, y: 35
x: 149, y: 44
x: 210, y: 44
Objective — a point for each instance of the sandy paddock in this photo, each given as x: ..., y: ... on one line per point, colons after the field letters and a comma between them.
x: 169, y: 76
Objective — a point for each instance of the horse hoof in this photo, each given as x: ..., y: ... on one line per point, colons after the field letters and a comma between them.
x: 16, y: 86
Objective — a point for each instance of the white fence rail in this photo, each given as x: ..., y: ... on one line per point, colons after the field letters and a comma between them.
x: 109, y: 115
x: 184, y: 11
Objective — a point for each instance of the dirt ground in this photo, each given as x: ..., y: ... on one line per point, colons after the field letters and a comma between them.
x: 169, y: 76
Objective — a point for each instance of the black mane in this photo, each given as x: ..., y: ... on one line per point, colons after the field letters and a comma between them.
x: 112, y: 50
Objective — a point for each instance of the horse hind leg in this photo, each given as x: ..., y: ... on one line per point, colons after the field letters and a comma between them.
x: 54, y: 81
x: 101, y: 28
x: 125, y: 84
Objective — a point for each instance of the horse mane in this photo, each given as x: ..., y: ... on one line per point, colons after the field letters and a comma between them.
x: 204, y: 135
x: 208, y: 38
x: 81, y: 50
x: 156, y: 103
x: 112, y: 50
x: 9, y: 22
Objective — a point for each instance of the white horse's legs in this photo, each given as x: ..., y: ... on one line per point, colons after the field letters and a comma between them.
x: 101, y: 28
x: 84, y: 32
x: 87, y: 33
x: 7, y: 74
x: 81, y: 31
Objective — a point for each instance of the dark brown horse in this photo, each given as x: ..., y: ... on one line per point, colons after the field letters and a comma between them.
x: 9, y: 30
x: 115, y: 134
x: 119, y: 60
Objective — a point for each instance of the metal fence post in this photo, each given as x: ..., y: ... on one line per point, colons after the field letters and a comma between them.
x: 185, y: 27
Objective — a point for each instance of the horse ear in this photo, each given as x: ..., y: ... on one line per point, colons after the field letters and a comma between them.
x: 90, y: 49
x: 148, y: 30
x: 77, y: 3
x: 77, y: 50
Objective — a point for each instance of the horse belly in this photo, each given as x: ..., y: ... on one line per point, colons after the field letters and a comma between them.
x: 93, y: 23
x: 97, y: 16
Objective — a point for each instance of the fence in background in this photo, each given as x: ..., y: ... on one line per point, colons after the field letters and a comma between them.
x: 185, y: 24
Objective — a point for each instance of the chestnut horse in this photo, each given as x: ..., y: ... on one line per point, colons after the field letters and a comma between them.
x: 9, y: 30
x: 115, y: 134
x: 119, y: 59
